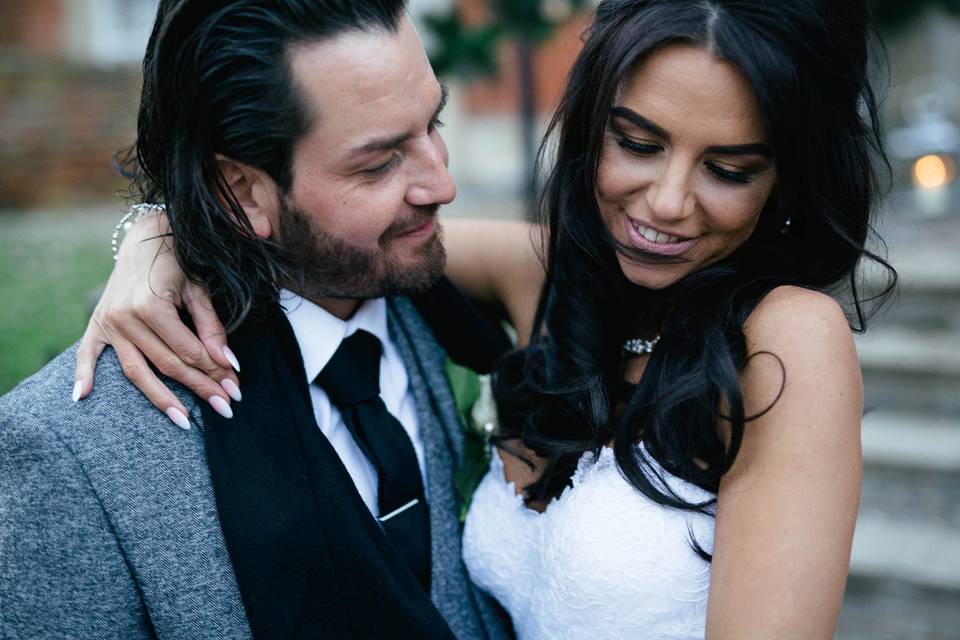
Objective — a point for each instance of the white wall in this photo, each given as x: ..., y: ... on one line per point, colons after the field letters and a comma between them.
x: 108, y: 32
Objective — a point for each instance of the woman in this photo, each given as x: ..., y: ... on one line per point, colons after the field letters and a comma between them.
x: 685, y: 417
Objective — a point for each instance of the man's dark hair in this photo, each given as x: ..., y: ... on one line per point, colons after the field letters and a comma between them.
x: 216, y: 80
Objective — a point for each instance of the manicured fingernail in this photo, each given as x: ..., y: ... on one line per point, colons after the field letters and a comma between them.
x: 77, y: 388
x: 229, y: 355
x: 220, y: 406
x: 232, y: 389
x: 176, y: 416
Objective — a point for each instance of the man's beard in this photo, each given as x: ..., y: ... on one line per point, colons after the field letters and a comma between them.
x: 323, y: 266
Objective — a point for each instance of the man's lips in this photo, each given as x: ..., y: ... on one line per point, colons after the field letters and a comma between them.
x: 423, y: 230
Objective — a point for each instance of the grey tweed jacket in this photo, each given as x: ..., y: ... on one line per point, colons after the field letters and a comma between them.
x: 108, y: 524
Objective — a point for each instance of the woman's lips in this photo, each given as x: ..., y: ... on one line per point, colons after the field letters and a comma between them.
x: 673, y: 246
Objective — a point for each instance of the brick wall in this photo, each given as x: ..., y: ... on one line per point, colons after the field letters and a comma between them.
x: 59, y: 126
x: 32, y: 25
x: 551, y: 62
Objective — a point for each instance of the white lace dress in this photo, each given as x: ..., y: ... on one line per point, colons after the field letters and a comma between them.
x: 601, y: 562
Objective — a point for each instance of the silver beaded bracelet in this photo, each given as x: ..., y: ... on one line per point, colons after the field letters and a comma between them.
x: 137, y: 212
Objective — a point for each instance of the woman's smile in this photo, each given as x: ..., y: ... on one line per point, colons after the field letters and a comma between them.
x: 651, y: 240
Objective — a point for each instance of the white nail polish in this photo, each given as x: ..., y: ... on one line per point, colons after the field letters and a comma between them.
x: 232, y: 389
x: 232, y: 358
x: 77, y: 388
x: 176, y: 416
x: 220, y: 406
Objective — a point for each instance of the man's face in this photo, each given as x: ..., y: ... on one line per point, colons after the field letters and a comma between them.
x: 369, y: 176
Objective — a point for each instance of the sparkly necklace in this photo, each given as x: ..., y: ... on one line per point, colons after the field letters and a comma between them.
x: 639, y: 346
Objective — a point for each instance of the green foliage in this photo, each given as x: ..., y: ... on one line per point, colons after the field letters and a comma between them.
x: 51, y: 268
x: 465, y: 384
x: 532, y: 19
x: 471, y: 51
x: 462, y: 51
x: 475, y: 458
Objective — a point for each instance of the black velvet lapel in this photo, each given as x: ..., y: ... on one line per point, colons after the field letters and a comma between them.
x: 310, y: 559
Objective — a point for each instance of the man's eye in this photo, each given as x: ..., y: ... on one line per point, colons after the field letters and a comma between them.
x: 436, y: 123
x: 638, y: 148
x: 383, y: 168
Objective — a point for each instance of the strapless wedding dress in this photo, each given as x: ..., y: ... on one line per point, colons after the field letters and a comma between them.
x: 601, y: 562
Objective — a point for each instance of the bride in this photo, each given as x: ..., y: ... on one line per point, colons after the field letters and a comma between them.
x: 679, y: 452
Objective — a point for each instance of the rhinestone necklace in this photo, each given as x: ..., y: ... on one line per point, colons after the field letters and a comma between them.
x: 639, y: 346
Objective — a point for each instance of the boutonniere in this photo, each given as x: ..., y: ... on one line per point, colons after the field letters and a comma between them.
x: 473, y: 394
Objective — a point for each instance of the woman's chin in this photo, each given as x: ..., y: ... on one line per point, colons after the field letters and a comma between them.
x: 651, y: 276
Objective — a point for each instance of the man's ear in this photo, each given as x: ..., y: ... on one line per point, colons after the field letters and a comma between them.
x: 254, y: 191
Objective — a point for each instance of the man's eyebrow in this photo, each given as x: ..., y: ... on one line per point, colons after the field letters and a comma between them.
x: 385, y: 144
x: 751, y: 149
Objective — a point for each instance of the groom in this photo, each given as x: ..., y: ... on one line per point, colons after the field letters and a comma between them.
x: 295, y: 144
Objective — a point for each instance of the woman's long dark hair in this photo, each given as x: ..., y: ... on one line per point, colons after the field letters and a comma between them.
x: 807, y: 61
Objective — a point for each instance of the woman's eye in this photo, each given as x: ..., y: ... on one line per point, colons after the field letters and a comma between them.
x: 741, y: 176
x: 639, y: 148
x: 383, y: 168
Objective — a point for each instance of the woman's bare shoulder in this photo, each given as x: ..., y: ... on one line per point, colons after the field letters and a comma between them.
x: 789, y: 312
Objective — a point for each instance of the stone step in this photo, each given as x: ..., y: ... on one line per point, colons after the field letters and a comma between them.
x: 911, y: 468
x: 888, y: 609
x: 904, y: 581
x: 911, y: 442
x: 923, y: 304
x: 918, y: 554
x: 911, y: 371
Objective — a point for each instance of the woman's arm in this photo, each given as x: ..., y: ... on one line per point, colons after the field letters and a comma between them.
x: 497, y: 261
x: 787, y: 508
x: 138, y: 314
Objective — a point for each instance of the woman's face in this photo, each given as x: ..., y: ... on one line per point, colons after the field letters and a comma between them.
x: 686, y: 165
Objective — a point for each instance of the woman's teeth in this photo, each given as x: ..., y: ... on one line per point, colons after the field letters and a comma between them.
x: 653, y: 235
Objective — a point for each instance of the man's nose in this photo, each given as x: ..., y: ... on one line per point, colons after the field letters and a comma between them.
x: 433, y: 183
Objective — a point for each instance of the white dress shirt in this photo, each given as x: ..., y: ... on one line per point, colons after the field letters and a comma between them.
x: 319, y: 334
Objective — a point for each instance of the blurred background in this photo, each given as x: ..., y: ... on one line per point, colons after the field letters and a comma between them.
x: 68, y: 93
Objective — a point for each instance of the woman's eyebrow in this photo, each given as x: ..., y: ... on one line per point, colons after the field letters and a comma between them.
x: 752, y: 149
x: 640, y: 121
x: 749, y: 149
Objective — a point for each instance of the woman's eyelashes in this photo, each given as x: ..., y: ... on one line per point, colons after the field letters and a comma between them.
x: 639, y: 148
x: 724, y: 174
x: 736, y: 176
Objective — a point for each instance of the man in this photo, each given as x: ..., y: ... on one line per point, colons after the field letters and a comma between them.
x: 295, y: 145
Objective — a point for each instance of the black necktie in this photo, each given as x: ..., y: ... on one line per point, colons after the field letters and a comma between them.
x: 352, y: 381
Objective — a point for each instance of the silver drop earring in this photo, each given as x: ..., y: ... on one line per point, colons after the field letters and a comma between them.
x: 786, y: 226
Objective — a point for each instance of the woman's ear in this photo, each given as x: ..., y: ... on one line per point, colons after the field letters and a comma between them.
x: 254, y: 191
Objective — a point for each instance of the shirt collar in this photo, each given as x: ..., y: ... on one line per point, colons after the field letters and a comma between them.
x: 319, y: 333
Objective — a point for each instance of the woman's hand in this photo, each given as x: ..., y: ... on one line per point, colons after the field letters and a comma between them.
x: 138, y: 315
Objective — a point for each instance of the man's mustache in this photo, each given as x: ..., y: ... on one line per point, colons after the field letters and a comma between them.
x: 418, y: 217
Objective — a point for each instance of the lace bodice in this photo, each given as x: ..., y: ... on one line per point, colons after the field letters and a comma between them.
x: 602, y: 561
